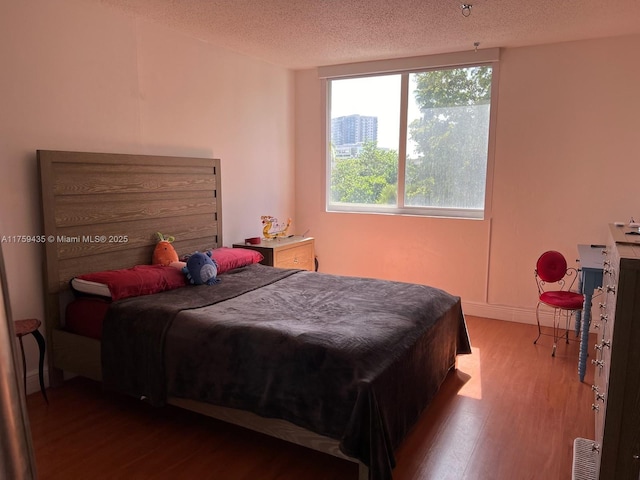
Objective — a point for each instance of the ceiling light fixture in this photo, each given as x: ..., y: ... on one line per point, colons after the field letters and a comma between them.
x: 466, y: 9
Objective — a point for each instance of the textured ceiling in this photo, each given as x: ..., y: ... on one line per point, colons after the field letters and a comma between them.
x: 304, y: 33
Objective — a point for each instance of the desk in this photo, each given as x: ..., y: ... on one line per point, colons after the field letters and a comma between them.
x: 590, y: 279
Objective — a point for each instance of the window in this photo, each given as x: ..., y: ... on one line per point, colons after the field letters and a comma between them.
x: 414, y: 141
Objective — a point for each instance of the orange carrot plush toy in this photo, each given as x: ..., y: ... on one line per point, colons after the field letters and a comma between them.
x: 164, y: 253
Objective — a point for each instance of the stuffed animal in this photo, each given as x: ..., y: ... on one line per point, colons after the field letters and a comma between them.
x: 201, y: 269
x: 164, y: 253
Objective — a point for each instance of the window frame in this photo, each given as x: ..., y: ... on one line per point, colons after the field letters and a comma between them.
x: 404, y: 67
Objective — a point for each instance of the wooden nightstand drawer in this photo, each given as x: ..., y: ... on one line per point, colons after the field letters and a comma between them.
x: 298, y: 256
x: 292, y: 252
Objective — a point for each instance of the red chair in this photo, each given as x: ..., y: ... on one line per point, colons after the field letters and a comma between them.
x: 555, y: 283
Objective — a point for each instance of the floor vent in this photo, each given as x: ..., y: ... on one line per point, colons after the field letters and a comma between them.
x: 584, y: 460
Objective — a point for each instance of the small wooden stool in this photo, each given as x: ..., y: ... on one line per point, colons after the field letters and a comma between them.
x: 22, y: 328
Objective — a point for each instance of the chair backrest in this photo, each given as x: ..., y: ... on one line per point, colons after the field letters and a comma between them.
x: 551, y: 266
x: 551, y: 269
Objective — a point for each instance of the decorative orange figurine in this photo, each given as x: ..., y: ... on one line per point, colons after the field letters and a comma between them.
x: 273, y: 229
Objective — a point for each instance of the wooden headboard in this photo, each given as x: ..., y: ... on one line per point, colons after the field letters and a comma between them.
x: 101, y: 212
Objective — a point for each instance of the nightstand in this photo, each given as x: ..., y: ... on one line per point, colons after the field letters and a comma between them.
x: 291, y: 252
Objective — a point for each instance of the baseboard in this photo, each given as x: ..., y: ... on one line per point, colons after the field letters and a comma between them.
x: 502, y: 312
x: 510, y: 314
x: 33, y: 380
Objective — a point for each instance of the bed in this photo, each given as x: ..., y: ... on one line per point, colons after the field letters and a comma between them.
x: 343, y: 365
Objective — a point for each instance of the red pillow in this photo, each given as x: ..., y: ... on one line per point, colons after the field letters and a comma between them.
x: 229, y: 258
x: 138, y: 280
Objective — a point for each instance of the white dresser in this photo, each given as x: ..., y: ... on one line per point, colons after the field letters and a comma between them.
x: 616, y: 358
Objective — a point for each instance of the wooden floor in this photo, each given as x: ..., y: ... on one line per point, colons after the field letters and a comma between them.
x: 510, y: 411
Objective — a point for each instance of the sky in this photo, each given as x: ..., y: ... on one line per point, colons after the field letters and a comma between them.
x: 372, y: 96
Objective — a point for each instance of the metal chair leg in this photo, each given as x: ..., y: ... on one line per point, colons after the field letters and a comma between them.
x: 560, y: 327
x: 555, y: 332
x: 538, y: 322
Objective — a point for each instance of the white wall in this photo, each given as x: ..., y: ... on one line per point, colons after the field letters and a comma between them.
x: 566, y: 164
x: 78, y: 76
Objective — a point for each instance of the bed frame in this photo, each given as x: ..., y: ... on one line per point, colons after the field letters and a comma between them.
x: 100, y: 212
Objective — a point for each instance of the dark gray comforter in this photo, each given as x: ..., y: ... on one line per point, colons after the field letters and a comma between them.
x: 354, y: 359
